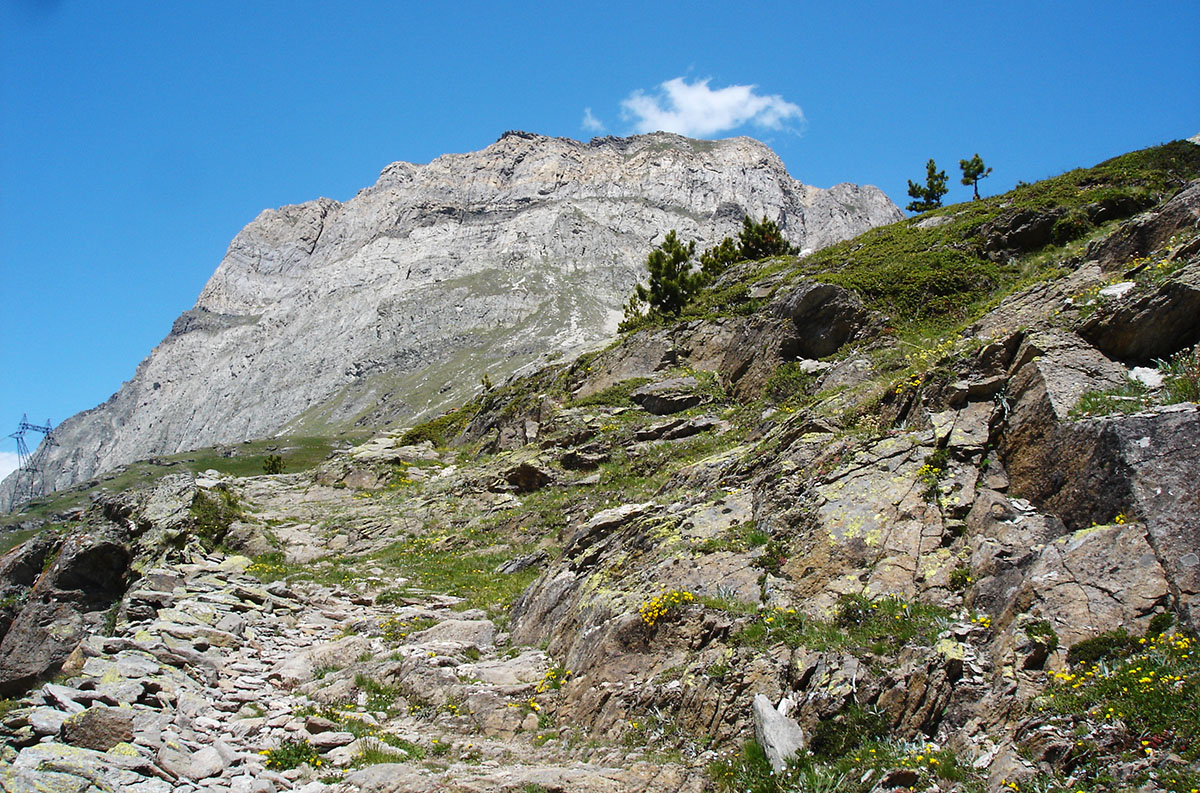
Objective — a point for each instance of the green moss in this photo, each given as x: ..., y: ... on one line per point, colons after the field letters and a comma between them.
x: 213, y: 512
x: 616, y: 395
x: 441, y: 430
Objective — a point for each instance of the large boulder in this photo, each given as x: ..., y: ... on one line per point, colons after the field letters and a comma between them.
x: 1148, y: 231
x: 1089, y: 581
x: 1050, y: 372
x: 86, y: 578
x: 824, y: 317
x: 1147, y: 324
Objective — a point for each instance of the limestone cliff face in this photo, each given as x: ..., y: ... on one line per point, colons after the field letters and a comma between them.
x: 395, y: 302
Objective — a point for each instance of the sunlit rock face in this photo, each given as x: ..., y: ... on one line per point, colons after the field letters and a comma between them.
x: 394, y: 303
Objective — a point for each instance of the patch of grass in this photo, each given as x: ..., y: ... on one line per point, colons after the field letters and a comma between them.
x: 380, y: 697
x: 11, y: 539
x: 881, y: 626
x: 376, y: 752
x: 789, y: 384
x: 396, y: 629
x: 859, y: 770
x: 441, y: 430
x: 441, y: 563
x: 332, y: 571
x: 1128, y: 398
x: 616, y: 395
x: 292, y: 753
x: 739, y: 538
x: 847, y: 730
x: 1150, y: 698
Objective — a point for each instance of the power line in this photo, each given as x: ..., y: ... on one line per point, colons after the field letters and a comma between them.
x: 29, y: 484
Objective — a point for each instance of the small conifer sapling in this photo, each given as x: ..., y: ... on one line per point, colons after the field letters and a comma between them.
x: 928, y: 196
x: 973, y: 170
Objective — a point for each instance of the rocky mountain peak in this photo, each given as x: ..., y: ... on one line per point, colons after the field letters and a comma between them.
x: 382, y: 308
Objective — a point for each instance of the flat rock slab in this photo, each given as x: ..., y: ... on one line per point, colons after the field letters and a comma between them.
x: 668, y: 396
x: 476, y: 633
x: 98, y: 728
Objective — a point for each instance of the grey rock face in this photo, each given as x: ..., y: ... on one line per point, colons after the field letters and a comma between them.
x: 393, y: 304
x: 780, y: 737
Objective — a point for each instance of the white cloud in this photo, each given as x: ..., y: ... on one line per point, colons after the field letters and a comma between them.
x: 8, y: 463
x: 590, y: 123
x: 695, y: 110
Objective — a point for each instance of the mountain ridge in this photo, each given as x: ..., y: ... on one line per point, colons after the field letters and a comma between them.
x: 393, y: 304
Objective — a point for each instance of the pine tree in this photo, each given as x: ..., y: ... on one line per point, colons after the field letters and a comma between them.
x: 973, y: 170
x: 717, y: 259
x: 760, y: 240
x: 930, y: 196
x: 672, y: 282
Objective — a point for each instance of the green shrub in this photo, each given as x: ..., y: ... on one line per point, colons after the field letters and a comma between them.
x: 292, y: 753
x: 213, y: 512
x: 273, y: 464
x: 1159, y: 624
x: 1042, y: 631
x: 789, y: 383
x: 1071, y: 226
x: 1110, y: 644
x: 960, y: 578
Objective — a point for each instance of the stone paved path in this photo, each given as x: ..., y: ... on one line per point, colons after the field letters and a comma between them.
x: 209, y: 672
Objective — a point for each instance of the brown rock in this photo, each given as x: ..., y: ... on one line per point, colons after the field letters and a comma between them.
x: 86, y: 577
x: 98, y: 728
x: 824, y: 317
x: 668, y: 396
x: 1095, y: 579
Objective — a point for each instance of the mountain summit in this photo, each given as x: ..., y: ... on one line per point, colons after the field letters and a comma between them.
x: 393, y: 304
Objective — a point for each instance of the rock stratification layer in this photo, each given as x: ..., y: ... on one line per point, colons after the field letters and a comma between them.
x: 394, y: 303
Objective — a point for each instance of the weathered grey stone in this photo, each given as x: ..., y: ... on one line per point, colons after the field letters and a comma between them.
x: 324, y: 741
x: 299, y: 666
x: 1096, y: 578
x: 780, y: 737
x: 205, y: 763
x: 476, y: 633
x: 47, y: 721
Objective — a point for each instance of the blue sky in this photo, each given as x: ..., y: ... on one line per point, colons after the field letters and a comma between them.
x: 137, y: 138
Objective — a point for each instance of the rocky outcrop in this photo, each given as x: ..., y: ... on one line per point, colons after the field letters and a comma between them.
x: 394, y: 303
x: 1144, y: 325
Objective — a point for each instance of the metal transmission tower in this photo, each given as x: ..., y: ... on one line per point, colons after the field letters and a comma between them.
x: 28, y: 484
